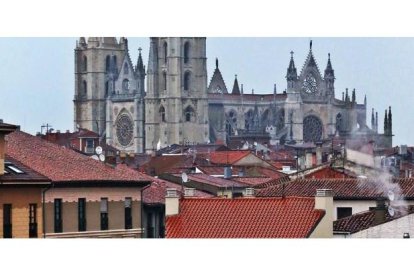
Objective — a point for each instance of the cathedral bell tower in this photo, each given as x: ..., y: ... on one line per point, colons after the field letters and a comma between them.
x: 176, y: 107
x: 96, y: 62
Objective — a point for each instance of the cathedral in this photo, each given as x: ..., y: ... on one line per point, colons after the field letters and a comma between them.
x: 178, y: 106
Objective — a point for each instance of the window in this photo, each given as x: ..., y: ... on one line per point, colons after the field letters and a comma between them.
x: 126, y: 69
x: 343, y: 212
x: 32, y: 220
x: 104, y: 213
x: 108, y: 64
x: 162, y: 113
x: 164, y: 80
x: 81, y: 214
x: 187, y: 81
x: 115, y: 65
x: 106, y: 89
x: 150, y: 224
x: 125, y: 85
x: 189, y: 114
x: 58, y: 215
x: 128, y: 213
x: 84, y: 88
x: 186, y: 52
x: 7, y: 221
x: 165, y: 52
x: 85, y: 64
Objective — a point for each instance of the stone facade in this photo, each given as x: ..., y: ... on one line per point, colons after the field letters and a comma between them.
x: 180, y: 108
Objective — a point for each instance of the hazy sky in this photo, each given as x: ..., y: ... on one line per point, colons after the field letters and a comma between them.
x: 37, y: 74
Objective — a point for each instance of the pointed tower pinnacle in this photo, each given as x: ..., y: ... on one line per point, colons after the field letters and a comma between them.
x: 386, y: 123
x: 372, y: 120
x: 365, y: 100
x: 353, y: 96
x: 292, y: 73
x: 376, y: 121
x: 274, y: 89
x: 236, y: 89
x: 140, y: 65
x: 153, y: 57
x: 389, y: 121
x: 346, y: 96
x: 216, y: 63
x: 329, y: 72
x: 241, y: 89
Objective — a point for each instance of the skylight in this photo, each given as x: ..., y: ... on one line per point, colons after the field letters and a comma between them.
x: 14, y: 169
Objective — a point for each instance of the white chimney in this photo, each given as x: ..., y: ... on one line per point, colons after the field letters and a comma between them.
x: 324, y: 201
x: 309, y: 159
x: 249, y: 192
x: 172, y: 202
x: 189, y: 192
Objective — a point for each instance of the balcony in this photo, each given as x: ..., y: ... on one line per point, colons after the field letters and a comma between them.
x: 118, y: 233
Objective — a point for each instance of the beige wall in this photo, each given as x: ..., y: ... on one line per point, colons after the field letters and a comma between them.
x: 20, y: 198
x: 116, y: 207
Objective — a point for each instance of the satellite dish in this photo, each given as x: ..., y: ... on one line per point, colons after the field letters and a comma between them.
x: 391, y: 211
x: 98, y: 150
x: 391, y: 195
x: 95, y: 157
x: 184, y: 177
x: 102, y: 157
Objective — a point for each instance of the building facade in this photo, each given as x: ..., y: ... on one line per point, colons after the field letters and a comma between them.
x: 179, y: 107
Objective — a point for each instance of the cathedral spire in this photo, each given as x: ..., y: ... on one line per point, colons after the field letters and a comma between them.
x: 291, y: 74
x: 216, y: 63
x: 365, y: 100
x: 346, y: 96
x: 372, y: 120
x: 329, y: 72
x: 140, y: 65
x: 353, y: 96
x: 386, y: 123
x: 389, y: 121
x: 236, y: 89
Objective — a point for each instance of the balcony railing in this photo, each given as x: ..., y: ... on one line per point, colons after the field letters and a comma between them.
x: 118, y: 233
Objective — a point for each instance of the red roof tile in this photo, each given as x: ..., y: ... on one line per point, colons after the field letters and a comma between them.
x: 155, y: 193
x: 27, y: 175
x: 244, y: 218
x: 227, y: 157
x: 61, y: 164
x: 252, y: 181
x: 214, y: 181
x: 342, y: 188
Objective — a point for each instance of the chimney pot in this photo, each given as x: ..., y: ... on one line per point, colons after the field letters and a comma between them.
x: 189, y: 192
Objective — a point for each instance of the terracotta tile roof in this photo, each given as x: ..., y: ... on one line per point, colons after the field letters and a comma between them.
x: 226, y: 157
x: 342, y: 188
x: 364, y: 220
x: 214, y: 181
x: 329, y: 172
x: 252, y: 181
x: 169, y: 164
x: 273, y: 182
x: 27, y: 174
x: 61, y: 164
x: 155, y: 193
x: 218, y: 169
x: 244, y: 218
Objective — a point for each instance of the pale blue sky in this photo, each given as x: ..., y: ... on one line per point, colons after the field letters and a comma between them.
x: 37, y: 78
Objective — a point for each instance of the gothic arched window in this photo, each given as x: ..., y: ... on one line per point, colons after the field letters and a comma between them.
x: 165, y: 52
x: 164, y: 80
x: 186, y: 52
x: 108, y: 63
x: 85, y: 64
x: 189, y: 114
x: 125, y: 85
x: 312, y: 129
x: 162, y: 113
x: 84, y: 88
x: 114, y: 63
x: 106, y: 89
x: 126, y: 69
x: 186, y: 81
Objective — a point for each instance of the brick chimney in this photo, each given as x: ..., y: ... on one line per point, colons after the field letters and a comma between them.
x: 172, y: 202
x: 4, y: 130
x: 324, y: 201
